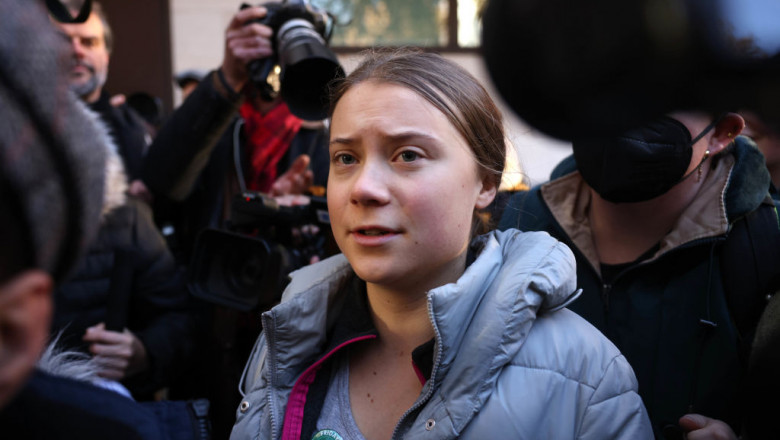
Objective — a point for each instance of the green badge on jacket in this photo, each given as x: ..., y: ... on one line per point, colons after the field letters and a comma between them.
x: 327, y: 434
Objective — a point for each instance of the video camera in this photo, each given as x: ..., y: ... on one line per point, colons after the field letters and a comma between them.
x: 591, y: 68
x: 246, y: 267
x: 307, y: 65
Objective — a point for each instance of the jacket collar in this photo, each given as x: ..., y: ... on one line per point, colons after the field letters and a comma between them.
x: 515, y: 277
x: 735, y: 185
x: 750, y: 181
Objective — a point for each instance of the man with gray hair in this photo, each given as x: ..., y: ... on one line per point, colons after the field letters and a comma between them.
x: 91, y: 44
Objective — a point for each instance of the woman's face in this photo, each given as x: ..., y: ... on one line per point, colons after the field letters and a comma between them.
x: 402, y: 188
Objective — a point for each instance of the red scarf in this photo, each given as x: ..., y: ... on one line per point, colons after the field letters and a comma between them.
x: 268, y: 138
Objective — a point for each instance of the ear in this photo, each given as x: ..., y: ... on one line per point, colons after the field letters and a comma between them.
x: 725, y: 131
x: 25, y: 316
x: 487, y: 193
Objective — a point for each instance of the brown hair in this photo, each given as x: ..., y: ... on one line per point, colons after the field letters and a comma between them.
x: 449, y: 88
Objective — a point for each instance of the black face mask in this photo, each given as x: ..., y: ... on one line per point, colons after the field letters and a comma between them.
x: 639, y: 164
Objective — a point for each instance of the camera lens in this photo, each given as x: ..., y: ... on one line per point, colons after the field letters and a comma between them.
x: 308, y: 66
x: 246, y: 276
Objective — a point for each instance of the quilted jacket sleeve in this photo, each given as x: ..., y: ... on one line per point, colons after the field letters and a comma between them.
x: 615, y: 410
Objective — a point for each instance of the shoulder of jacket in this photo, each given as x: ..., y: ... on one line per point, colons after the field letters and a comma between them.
x: 565, y: 343
x: 333, y: 269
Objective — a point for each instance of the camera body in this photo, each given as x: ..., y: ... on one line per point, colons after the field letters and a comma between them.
x: 300, y: 48
x: 246, y: 267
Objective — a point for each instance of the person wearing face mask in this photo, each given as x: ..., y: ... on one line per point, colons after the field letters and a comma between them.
x: 648, y: 214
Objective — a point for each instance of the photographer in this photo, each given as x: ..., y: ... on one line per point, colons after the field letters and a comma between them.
x: 91, y: 44
x: 226, y: 138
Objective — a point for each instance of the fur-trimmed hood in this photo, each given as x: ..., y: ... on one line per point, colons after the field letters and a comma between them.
x: 52, y: 153
x: 115, y: 191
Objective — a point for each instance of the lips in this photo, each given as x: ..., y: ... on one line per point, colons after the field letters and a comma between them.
x: 372, y: 232
x: 81, y: 67
x: 373, y: 235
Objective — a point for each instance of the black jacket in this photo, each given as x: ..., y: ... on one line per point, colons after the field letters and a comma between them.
x: 128, y: 131
x: 51, y: 407
x: 669, y: 313
x: 156, y: 308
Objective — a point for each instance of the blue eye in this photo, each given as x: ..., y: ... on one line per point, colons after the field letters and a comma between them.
x: 346, y: 159
x: 409, y: 156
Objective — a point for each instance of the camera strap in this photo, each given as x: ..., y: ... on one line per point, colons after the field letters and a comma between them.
x: 61, y: 13
x: 237, y: 154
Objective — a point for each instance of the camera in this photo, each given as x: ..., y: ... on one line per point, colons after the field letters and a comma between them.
x: 246, y: 267
x: 300, y: 49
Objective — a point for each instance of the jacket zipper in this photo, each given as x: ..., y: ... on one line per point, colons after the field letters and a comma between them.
x: 269, y: 329
x: 605, y: 289
x: 437, y: 358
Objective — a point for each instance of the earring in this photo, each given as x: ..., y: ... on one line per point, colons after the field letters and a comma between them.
x: 730, y: 134
x: 698, y: 171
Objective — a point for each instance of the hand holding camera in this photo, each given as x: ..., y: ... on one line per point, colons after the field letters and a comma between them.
x: 246, y: 39
x: 292, y: 35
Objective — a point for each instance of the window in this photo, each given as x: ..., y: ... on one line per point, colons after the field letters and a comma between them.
x: 450, y: 25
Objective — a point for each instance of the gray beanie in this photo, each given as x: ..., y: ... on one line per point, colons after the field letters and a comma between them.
x: 52, y: 149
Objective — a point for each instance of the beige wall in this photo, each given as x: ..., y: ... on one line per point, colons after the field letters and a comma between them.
x: 198, y: 28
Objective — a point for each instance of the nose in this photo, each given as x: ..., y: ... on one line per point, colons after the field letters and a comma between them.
x: 77, y: 47
x: 371, y: 185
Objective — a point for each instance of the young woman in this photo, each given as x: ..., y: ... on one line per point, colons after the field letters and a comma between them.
x: 419, y: 329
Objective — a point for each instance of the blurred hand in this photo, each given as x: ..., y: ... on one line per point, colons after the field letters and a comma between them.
x: 297, y: 232
x: 118, y: 100
x: 292, y: 200
x: 296, y: 180
x: 244, y: 43
x: 139, y: 190
x: 699, y: 427
x: 119, y: 355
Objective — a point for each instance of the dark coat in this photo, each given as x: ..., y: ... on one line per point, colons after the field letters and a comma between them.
x: 127, y: 130
x: 156, y: 309
x: 50, y: 407
x: 668, y: 314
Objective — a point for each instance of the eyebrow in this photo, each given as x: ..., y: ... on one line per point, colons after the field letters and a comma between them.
x: 400, y: 137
